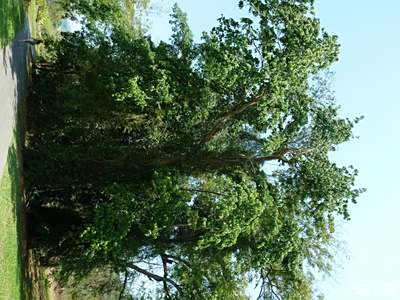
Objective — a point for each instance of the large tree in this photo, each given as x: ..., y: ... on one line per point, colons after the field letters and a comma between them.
x: 201, y: 166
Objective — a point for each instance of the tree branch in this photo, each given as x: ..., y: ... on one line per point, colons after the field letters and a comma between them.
x: 165, y: 276
x: 124, y: 285
x: 267, y: 282
x: 155, y: 277
x: 280, y: 154
x: 236, y: 109
x: 184, y: 239
x: 178, y: 259
x: 54, y: 70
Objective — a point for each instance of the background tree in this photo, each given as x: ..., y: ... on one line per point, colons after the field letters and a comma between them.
x: 160, y: 153
x: 107, y: 11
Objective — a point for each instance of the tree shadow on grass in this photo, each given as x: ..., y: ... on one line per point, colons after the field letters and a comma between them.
x: 17, y: 63
x: 12, y: 231
x: 15, y: 172
x: 11, y: 18
x: 17, y: 197
x: 17, y: 202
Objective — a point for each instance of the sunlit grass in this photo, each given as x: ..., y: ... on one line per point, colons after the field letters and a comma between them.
x: 19, y: 278
x: 11, y: 267
x: 11, y: 253
x: 11, y: 19
x: 32, y: 11
x: 43, y: 18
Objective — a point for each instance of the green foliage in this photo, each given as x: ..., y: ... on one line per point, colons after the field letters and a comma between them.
x: 116, y: 12
x: 99, y: 283
x: 111, y: 223
x: 163, y: 151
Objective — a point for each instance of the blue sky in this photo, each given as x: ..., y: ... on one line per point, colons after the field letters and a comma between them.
x: 366, y: 82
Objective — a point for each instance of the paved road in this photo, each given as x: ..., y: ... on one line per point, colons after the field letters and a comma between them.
x: 13, y: 87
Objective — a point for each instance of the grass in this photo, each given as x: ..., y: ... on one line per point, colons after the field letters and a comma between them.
x: 11, y: 247
x: 21, y: 276
x: 12, y: 253
x: 43, y: 18
x: 32, y: 12
x: 14, y: 283
x: 11, y: 19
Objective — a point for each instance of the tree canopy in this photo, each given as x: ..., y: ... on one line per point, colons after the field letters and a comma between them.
x: 203, y: 167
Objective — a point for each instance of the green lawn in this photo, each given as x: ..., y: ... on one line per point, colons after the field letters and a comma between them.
x: 21, y: 277
x: 12, y: 285
x: 11, y: 18
x: 11, y: 258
